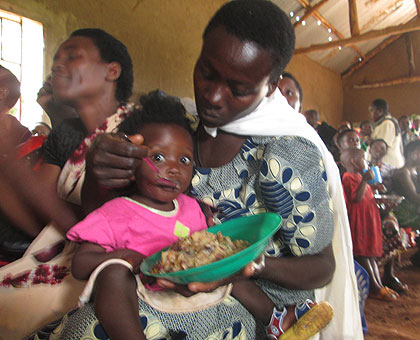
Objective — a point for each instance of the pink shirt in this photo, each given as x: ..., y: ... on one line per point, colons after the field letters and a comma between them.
x: 126, y: 224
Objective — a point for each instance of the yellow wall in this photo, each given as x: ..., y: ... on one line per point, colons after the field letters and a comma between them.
x: 391, y: 63
x: 322, y: 88
x: 163, y: 39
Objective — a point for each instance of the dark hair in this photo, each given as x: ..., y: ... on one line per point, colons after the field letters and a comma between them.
x: 111, y: 49
x: 312, y: 111
x: 411, y: 147
x: 9, y: 80
x: 381, y: 104
x: 342, y: 133
x: 379, y: 140
x: 156, y: 107
x: 261, y: 22
x: 402, y: 117
x: 290, y: 76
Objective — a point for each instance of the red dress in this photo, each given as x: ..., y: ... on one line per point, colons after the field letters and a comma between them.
x: 364, y: 218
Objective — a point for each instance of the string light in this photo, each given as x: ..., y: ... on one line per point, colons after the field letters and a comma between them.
x: 297, y: 17
x: 339, y: 47
x: 330, y: 38
x: 319, y: 22
x: 360, y: 59
x: 303, y: 22
x: 292, y: 14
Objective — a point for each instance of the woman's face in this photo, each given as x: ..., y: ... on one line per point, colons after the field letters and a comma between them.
x: 366, y: 129
x: 350, y: 139
x: 171, y: 152
x: 289, y: 89
x: 78, y: 71
x: 231, y: 78
x: 378, y: 150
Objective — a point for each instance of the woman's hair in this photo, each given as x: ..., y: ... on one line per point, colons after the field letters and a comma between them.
x: 261, y: 22
x: 156, y: 107
x: 379, y: 140
x: 381, y: 104
x: 290, y: 76
x: 111, y: 49
x: 411, y: 147
x: 342, y: 133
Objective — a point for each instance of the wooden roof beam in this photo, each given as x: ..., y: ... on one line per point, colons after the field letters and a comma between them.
x: 310, y: 11
x: 326, y: 24
x: 354, y: 21
x: 392, y: 30
x: 391, y: 82
x: 370, y: 55
x: 417, y: 2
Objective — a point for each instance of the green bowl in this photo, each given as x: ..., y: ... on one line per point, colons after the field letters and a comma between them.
x: 256, y: 229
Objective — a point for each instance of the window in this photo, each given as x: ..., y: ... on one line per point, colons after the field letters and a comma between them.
x: 22, y: 52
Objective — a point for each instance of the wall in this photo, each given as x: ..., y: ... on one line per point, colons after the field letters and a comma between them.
x: 164, y: 40
x: 391, y: 63
x: 322, y: 88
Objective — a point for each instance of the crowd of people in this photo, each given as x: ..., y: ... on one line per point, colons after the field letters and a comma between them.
x: 123, y: 180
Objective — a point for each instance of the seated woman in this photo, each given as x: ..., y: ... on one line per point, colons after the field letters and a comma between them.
x: 407, y: 183
x: 238, y: 162
x: 93, y: 73
x: 291, y: 90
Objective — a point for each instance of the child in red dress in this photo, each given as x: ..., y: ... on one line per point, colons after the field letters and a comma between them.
x: 365, y: 220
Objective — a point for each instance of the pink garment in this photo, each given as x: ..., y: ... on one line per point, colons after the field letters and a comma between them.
x: 126, y: 224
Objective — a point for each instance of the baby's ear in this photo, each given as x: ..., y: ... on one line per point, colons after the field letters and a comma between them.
x: 114, y: 71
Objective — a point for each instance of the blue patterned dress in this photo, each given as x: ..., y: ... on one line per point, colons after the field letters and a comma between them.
x: 281, y: 174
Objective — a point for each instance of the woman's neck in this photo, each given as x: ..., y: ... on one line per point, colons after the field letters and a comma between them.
x: 94, y: 114
x: 215, y: 152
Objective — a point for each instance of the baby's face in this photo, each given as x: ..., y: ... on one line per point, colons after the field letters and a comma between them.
x: 171, y: 153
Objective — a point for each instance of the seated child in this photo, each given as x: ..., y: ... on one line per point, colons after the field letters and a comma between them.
x: 152, y: 217
x: 364, y: 219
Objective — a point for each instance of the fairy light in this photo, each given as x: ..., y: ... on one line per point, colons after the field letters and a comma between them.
x: 330, y: 38
x: 329, y: 30
x: 297, y: 17
x: 303, y: 22
x: 319, y: 22
x: 292, y: 14
x: 360, y: 59
x: 339, y: 47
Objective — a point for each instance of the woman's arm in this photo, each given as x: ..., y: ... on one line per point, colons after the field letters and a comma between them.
x: 360, y: 192
x: 89, y: 255
x: 407, y: 188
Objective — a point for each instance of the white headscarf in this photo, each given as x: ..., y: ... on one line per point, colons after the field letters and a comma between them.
x: 275, y: 117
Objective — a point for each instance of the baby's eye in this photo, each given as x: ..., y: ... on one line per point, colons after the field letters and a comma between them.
x: 158, y: 158
x: 186, y: 160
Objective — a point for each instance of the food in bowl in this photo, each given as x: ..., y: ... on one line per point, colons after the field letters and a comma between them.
x: 196, y: 250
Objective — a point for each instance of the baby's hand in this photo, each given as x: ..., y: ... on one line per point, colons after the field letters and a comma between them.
x: 368, y: 175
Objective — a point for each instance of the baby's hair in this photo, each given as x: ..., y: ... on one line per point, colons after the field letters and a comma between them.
x: 342, y: 133
x: 379, y: 140
x: 156, y: 107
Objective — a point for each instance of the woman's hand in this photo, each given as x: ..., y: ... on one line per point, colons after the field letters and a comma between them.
x: 112, y: 159
x: 251, y: 269
x: 110, y: 165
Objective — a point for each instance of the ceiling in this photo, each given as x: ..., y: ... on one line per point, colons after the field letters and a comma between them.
x: 324, y: 33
